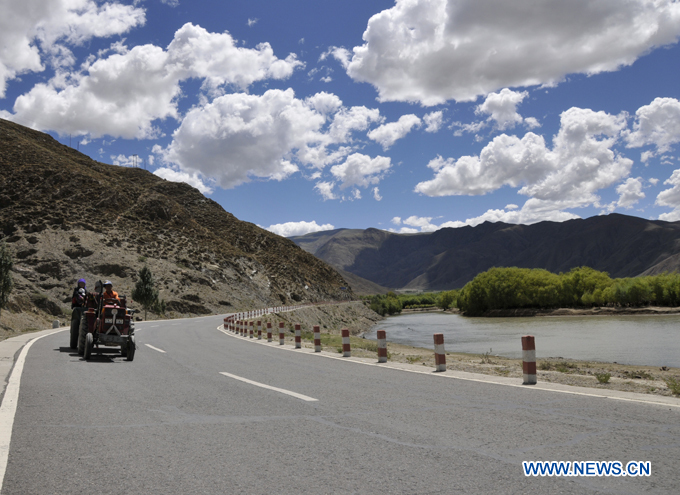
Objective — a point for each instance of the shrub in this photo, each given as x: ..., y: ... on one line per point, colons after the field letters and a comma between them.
x: 673, y: 385
x: 603, y: 377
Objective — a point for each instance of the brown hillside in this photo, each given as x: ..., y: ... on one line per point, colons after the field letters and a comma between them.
x: 66, y: 216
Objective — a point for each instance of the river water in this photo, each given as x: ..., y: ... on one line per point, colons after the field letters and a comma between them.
x: 641, y: 339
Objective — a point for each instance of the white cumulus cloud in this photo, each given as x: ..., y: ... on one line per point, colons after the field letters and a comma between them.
x: 433, y: 121
x: 580, y: 163
x: 388, y: 134
x: 291, y: 229
x: 501, y: 108
x: 238, y: 137
x: 361, y: 170
x: 431, y: 51
x: 34, y: 30
x: 657, y: 124
x: 630, y: 192
x: 121, y: 95
x: 325, y: 189
x: 670, y: 197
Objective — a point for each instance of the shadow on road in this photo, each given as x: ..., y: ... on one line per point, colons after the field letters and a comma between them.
x: 101, y: 356
x: 67, y: 349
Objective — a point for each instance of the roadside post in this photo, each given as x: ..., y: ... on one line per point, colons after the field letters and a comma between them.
x: 317, y: 338
x: 269, y: 331
x: 346, y: 349
x: 298, y: 336
x: 439, y: 352
x: 259, y: 330
x: 282, y: 335
x: 382, y: 346
x: 529, y: 360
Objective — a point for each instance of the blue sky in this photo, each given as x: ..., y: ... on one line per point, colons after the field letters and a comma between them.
x: 409, y: 116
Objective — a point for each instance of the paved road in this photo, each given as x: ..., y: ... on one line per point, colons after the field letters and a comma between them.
x: 171, y: 423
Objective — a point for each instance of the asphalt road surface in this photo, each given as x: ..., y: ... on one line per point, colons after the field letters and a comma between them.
x: 171, y: 423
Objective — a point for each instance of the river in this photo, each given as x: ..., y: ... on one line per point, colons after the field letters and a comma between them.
x: 640, y: 339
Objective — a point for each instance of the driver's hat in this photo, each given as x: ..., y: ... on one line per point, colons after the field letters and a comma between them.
x: 108, y: 282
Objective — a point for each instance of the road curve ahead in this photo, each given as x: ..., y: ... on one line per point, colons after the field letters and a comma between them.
x: 199, y: 411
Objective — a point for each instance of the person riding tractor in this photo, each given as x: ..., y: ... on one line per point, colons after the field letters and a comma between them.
x: 106, y: 322
x: 78, y: 302
x: 109, y: 293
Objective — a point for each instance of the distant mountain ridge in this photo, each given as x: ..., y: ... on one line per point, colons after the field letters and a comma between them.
x: 622, y: 245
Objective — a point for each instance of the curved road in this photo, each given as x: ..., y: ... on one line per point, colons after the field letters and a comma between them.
x: 171, y: 423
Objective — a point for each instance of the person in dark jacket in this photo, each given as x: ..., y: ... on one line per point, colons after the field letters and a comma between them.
x: 78, y: 298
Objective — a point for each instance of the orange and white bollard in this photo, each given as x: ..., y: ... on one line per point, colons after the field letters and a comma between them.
x: 282, y: 335
x: 439, y: 352
x: 529, y: 360
x: 346, y: 349
x: 382, y: 346
x: 317, y: 338
x: 259, y: 330
x: 269, y: 332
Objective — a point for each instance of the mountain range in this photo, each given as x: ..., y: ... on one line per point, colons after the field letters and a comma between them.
x: 622, y: 245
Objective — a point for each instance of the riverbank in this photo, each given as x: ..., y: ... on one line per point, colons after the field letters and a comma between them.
x: 628, y: 378
x: 530, y: 312
x: 601, y: 311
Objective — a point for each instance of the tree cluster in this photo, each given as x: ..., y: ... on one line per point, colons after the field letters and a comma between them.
x: 392, y: 303
x: 514, y: 288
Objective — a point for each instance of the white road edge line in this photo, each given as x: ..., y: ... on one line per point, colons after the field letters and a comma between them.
x: 155, y: 348
x: 269, y: 387
x: 442, y: 375
x: 8, y: 408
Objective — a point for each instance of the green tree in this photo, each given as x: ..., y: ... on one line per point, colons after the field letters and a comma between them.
x: 6, y: 283
x: 145, y: 292
x: 447, y: 299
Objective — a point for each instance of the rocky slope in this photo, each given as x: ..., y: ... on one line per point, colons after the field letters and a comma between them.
x: 66, y: 216
x: 621, y: 245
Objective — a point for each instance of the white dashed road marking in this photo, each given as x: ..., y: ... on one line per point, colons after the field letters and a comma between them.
x: 269, y: 387
x: 155, y: 348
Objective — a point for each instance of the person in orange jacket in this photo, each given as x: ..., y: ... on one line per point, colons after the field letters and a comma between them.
x: 109, y: 293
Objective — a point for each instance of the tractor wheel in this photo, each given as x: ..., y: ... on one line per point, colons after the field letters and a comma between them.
x: 82, y: 334
x: 89, y: 344
x: 131, y: 349
x: 75, y: 330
